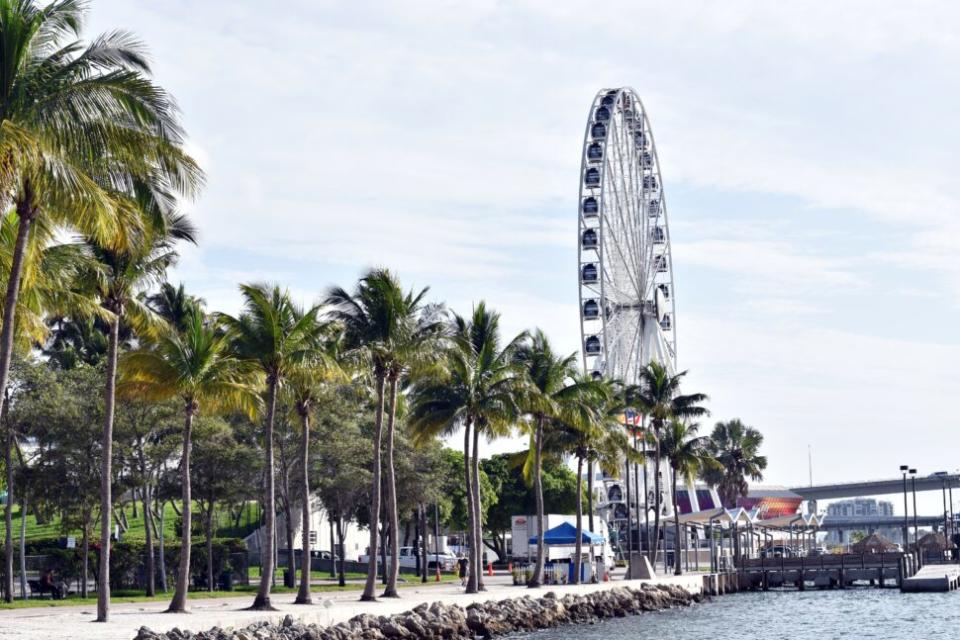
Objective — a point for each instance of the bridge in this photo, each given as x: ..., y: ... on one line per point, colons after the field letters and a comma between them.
x: 870, y: 523
x: 836, y: 491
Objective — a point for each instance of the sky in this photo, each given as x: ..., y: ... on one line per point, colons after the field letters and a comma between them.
x: 809, y: 157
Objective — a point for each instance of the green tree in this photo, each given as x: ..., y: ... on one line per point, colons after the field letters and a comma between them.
x: 198, y: 367
x: 478, y: 388
x: 658, y: 397
x: 737, y: 448
x: 393, y: 331
x: 688, y: 456
x: 77, y: 125
x: 276, y: 336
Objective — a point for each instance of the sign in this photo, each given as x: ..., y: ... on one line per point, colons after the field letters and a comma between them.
x: 71, y: 542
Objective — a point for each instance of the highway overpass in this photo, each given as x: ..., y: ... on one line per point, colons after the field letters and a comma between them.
x: 875, y: 487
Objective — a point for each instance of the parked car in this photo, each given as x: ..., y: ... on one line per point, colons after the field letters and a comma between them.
x: 408, y: 559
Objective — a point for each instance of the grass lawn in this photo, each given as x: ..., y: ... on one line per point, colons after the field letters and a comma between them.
x: 240, y: 590
x: 52, y: 530
x: 254, y: 573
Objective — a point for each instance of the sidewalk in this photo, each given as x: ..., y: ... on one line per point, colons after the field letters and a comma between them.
x: 76, y: 622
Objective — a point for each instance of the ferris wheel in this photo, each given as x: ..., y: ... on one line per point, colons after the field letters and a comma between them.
x: 627, y: 310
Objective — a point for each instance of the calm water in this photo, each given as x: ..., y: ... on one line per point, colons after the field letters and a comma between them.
x: 793, y: 615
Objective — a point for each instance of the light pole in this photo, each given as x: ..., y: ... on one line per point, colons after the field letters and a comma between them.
x: 906, y: 510
x: 946, y: 539
x: 913, y: 488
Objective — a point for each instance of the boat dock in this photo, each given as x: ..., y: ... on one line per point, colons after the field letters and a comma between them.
x: 835, y: 571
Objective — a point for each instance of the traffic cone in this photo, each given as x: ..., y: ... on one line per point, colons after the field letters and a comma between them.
x: 509, y: 567
x: 438, y: 572
x: 490, y: 568
x: 606, y: 576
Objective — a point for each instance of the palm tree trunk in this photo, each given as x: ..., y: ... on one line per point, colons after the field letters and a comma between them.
x: 106, y: 470
x: 655, y: 545
x: 371, y: 584
x: 590, y: 494
x: 148, y: 526
x: 578, y: 550
x: 85, y: 571
x: 342, y: 576
x: 290, y: 576
x: 208, y: 530
x: 472, y: 583
x: 23, y: 543
x: 179, y: 602
x: 262, y: 601
x: 162, y: 549
x: 537, y: 579
x: 8, y: 510
x: 477, y: 509
x: 303, y: 594
x: 676, y: 528
x: 26, y: 213
x: 393, y: 515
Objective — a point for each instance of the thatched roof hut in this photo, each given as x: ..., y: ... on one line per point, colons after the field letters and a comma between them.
x: 874, y: 543
x: 933, y: 542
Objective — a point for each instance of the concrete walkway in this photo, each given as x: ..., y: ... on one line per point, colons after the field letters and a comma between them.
x: 76, y: 622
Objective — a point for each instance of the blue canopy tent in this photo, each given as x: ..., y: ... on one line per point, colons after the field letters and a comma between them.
x: 565, y: 534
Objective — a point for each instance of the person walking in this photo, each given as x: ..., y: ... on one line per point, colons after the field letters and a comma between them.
x: 463, y: 564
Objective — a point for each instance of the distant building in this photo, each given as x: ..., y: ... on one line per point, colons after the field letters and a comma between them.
x: 861, y: 508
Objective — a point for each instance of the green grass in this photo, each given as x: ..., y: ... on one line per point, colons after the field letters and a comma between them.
x: 52, y: 530
x: 254, y: 573
x: 128, y: 596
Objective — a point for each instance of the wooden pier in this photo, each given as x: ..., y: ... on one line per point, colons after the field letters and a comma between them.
x: 834, y: 571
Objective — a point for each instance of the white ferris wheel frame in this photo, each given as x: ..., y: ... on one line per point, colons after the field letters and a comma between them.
x: 629, y: 284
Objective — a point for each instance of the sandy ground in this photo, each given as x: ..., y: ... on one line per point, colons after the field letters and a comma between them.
x: 76, y: 622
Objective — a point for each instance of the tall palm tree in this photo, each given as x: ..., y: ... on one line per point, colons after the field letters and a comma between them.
x: 118, y: 282
x: 306, y: 382
x: 78, y: 123
x: 174, y: 305
x: 737, y: 447
x: 393, y: 331
x: 477, y: 388
x: 658, y: 397
x: 197, y: 366
x: 276, y: 335
x: 554, y: 393
x: 688, y: 456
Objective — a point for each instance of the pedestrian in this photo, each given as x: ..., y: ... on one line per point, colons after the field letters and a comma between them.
x: 462, y: 564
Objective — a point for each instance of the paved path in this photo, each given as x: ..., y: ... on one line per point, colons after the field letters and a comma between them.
x: 74, y: 623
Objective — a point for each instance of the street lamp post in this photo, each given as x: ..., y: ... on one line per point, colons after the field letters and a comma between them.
x: 913, y: 488
x: 906, y: 510
x: 946, y: 539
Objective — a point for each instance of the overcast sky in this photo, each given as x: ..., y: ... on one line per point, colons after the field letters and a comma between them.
x: 809, y: 155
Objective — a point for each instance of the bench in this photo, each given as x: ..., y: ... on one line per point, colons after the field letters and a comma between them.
x: 57, y: 592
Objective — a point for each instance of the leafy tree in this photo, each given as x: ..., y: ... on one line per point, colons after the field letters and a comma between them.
x: 393, y: 331
x: 197, y: 367
x: 688, y: 456
x: 80, y: 124
x: 276, y: 336
x: 658, y: 397
x: 514, y: 495
x: 478, y: 388
x: 737, y: 448
x: 221, y: 471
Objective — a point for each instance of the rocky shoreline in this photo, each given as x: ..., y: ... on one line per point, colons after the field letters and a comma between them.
x: 452, y: 622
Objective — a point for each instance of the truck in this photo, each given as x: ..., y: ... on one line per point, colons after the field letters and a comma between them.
x: 408, y: 559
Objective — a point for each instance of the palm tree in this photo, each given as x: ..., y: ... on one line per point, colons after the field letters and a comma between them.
x: 174, y: 305
x: 394, y: 331
x: 197, y: 366
x: 554, y: 393
x: 306, y: 381
x: 736, y: 446
x: 78, y: 124
x: 118, y: 282
x: 277, y: 336
x: 658, y: 397
x: 477, y: 387
x: 688, y: 456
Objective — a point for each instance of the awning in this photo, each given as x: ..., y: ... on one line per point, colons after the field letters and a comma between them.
x: 566, y: 534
